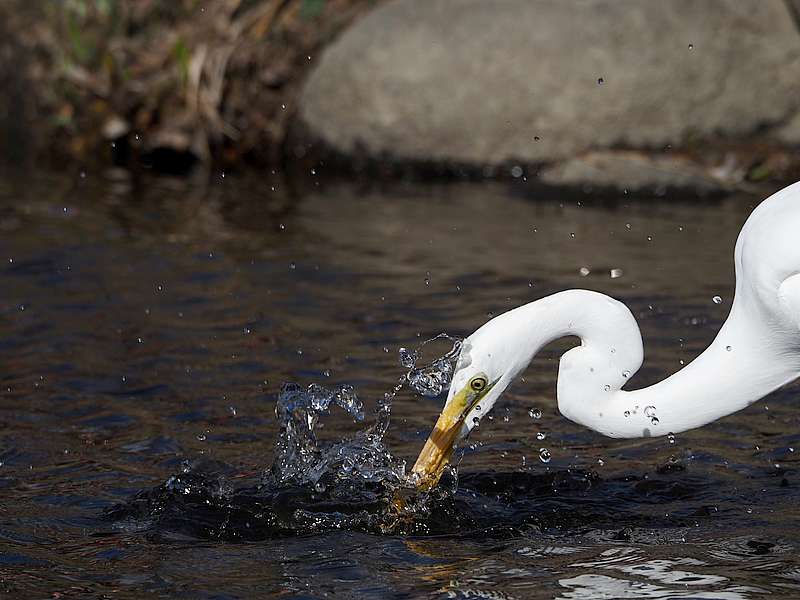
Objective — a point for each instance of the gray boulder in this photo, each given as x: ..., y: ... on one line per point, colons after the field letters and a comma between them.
x: 789, y: 133
x: 633, y: 172
x: 487, y: 82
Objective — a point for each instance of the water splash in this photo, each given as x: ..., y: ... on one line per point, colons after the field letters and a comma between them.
x: 298, y: 456
x: 299, y: 459
x: 313, y: 486
x: 360, y: 469
x: 432, y: 379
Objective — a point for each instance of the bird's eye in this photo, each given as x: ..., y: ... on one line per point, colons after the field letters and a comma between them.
x: 478, y: 383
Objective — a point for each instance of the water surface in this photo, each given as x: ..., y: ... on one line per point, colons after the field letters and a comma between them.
x: 146, y: 323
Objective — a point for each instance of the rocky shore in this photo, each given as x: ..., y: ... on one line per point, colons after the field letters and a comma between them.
x: 628, y: 94
x: 590, y: 94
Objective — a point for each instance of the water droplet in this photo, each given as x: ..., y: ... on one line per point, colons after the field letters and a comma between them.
x: 600, y: 81
x: 606, y: 388
x: 626, y: 414
x: 201, y: 437
x: 408, y: 358
x: 717, y: 300
x: 232, y: 410
x: 654, y: 421
x: 572, y: 234
x: 671, y: 437
x: 541, y: 435
x: 728, y: 348
x: 615, y: 273
x: 516, y: 171
x: 535, y: 413
x: 544, y: 455
x: 600, y: 462
x: 584, y: 271
x: 626, y: 374
x: 691, y: 47
x: 650, y: 411
x: 292, y: 266
x: 475, y: 421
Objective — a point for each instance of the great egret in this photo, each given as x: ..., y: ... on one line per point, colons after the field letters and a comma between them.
x: 756, y: 351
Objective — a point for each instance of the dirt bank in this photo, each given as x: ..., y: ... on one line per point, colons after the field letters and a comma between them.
x: 157, y: 83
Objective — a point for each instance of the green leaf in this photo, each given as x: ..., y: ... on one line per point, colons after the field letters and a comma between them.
x: 182, y: 56
x: 312, y: 8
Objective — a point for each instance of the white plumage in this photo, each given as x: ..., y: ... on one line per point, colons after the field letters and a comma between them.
x: 756, y: 351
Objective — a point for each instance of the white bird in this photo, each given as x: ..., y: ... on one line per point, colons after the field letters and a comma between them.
x: 756, y: 351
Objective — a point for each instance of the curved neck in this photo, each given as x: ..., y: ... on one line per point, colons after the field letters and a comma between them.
x: 743, y: 364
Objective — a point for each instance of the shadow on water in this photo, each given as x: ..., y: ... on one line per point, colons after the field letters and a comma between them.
x: 145, y: 331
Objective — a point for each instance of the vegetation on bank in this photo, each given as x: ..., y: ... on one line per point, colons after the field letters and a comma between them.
x: 166, y: 82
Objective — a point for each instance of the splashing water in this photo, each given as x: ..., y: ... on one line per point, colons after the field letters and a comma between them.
x: 432, y: 379
x: 312, y: 486
x: 300, y: 460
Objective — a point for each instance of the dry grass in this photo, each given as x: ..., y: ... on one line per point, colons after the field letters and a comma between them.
x: 216, y: 80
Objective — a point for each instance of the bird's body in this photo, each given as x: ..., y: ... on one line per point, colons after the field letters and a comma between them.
x: 756, y: 351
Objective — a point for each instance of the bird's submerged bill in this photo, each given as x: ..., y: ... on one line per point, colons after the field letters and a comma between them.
x: 446, y: 433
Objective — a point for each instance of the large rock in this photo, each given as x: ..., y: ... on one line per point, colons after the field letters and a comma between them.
x: 487, y: 82
x: 789, y: 133
x: 633, y: 172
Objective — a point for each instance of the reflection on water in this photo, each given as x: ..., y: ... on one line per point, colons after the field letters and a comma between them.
x: 647, y: 578
x: 143, y: 325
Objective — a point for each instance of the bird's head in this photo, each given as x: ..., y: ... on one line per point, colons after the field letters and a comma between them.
x: 481, y: 375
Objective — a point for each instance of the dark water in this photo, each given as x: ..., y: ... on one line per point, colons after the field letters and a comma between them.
x: 145, y: 325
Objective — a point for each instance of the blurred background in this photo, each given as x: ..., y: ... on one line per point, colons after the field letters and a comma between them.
x: 606, y: 94
x: 166, y: 84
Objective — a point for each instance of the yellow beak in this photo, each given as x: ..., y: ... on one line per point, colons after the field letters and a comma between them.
x: 436, y: 453
x: 439, y: 448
